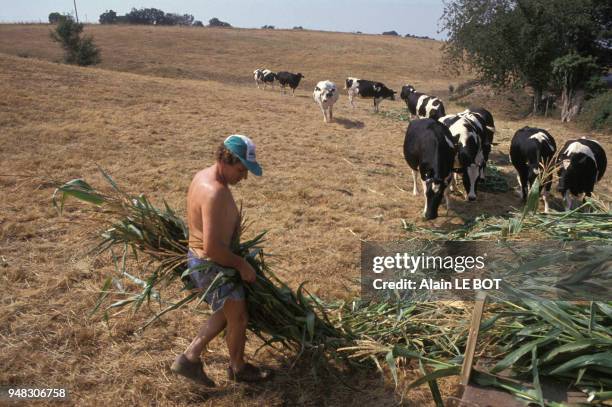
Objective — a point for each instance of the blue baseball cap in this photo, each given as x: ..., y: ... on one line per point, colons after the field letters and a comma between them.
x: 243, y: 148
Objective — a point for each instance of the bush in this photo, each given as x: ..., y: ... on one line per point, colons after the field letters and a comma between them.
x: 78, y: 50
x: 215, y: 22
x: 298, y: 27
x: 390, y: 33
x: 146, y: 16
x: 198, y: 23
x: 597, y: 112
x: 420, y: 37
x: 176, y: 19
x: 56, y: 17
x: 267, y: 27
x: 108, y: 17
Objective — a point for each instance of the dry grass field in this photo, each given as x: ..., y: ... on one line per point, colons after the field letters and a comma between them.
x: 151, y: 114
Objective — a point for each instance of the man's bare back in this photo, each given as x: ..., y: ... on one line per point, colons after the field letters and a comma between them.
x: 211, y: 211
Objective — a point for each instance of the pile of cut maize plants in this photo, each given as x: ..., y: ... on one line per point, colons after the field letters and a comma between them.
x: 534, y: 339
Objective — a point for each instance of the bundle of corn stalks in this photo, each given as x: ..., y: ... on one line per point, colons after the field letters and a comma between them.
x: 132, y: 223
x: 570, y: 342
x: 528, y: 340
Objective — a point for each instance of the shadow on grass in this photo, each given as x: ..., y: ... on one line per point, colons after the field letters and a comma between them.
x: 349, y: 124
x: 313, y: 382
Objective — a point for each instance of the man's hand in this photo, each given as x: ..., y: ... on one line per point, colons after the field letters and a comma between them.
x: 247, y: 273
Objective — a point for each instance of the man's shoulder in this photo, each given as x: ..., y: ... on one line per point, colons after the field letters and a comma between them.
x: 211, y: 190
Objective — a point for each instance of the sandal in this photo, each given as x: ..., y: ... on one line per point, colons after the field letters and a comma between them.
x: 191, y: 370
x: 249, y: 374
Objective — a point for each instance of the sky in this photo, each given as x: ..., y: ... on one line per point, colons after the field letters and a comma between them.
x: 417, y: 17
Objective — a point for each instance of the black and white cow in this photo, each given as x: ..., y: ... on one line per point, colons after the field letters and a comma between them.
x: 258, y: 76
x: 487, y: 124
x: 429, y: 149
x: 582, y: 163
x: 288, y: 78
x: 421, y: 105
x: 466, y: 130
x: 325, y: 95
x: 531, y: 150
x: 265, y: 76
x: 368, y: 89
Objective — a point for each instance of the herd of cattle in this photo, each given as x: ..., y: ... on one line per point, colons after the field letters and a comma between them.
x: 440, y: 147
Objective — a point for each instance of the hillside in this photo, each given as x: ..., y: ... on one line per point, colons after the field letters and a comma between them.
x: 151, y: 115
x: 230, y: 56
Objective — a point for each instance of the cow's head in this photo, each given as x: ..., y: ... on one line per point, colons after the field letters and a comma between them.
x: 533, y: 172
x: 577, y: 177
x: 327, y: 93
x: 434, y: 192
x: 385, y: 93
x: 407, y: 90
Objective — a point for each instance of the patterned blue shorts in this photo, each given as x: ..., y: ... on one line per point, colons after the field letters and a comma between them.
x: 203, y: 279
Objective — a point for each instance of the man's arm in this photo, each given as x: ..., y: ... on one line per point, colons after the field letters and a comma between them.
x: 214, y: 213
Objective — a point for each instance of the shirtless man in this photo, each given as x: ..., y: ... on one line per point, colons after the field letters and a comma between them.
x: 213, y: 219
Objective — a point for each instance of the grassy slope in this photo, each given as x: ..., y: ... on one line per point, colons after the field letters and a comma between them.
x: 179, y: 92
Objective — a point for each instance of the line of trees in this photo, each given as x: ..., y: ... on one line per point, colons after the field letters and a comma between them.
x: 146, y: 16
x: 153, y: 16
x: 560, y: 46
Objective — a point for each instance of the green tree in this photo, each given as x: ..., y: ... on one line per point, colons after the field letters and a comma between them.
x: 215, y: 22
x: 573, y: 72
x: 108, y: 17
x: 54, y: 17
x: 78, y: 49
x: 516, y: 42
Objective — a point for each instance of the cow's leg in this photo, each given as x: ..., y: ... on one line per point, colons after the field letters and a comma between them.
x: 546, y: 192
x: 545, y: 199
x: 524, y: 183
x: 375, y: 106
x: 566, y: 200
x: 453, y: 183
x: 447, y: 197
x: 324, y: 113
x: 292, y: 91
x: 424, y: 185
x: 331, y: 114
x: 518, y: 179
x: 415, y: 190
x: 472, y: 173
